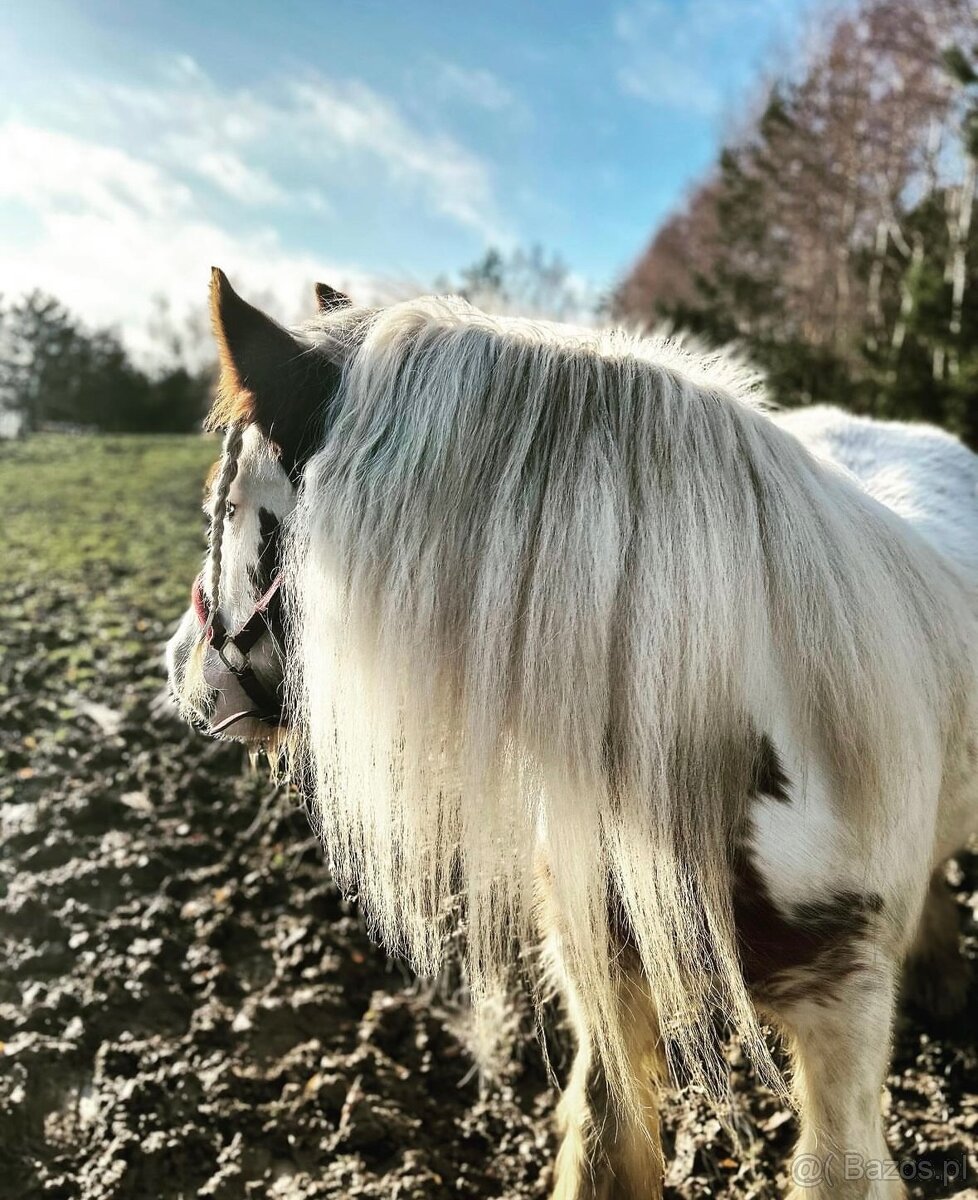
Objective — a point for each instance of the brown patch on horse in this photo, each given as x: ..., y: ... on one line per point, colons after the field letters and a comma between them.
x: 769, y: 775
x: 242, y: 335
x: 785, y: 954
x: 804, y: 951
x: 266, y: 566
x: 233, y: 403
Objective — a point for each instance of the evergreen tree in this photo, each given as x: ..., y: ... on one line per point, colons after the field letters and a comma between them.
x: 55, y: 371
x: 834, y: 239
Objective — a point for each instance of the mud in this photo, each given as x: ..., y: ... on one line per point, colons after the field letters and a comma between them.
x: 189, y: 1008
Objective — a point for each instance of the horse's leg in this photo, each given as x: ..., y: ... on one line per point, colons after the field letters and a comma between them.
x: 839, y: 1036
x: 606, y: 1153
x: 937, y: 975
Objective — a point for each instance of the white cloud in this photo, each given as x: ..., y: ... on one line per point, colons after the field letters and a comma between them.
x: 225, y: 169
x: 689, y: 23
x: 224, y: 136
x: 112, y: 231
x: 120, y: 202
x: 50, y: 169
x: 664, y: 81
x: 353, y: 117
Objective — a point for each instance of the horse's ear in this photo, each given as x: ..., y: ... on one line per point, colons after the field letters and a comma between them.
x: 328, y: 298
x: 269, y: 377
x: 253, y: 348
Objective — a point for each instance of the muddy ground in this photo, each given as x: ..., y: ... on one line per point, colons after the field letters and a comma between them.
x: 189, y: 1008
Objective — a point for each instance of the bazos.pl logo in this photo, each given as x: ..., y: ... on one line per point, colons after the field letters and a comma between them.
x: 812, y: 1170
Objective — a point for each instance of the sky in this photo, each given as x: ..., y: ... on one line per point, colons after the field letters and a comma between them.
x: 364, y: 143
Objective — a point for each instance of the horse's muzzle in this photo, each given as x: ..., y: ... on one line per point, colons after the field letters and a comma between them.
x: 244, y: 707
x: 233, y: 707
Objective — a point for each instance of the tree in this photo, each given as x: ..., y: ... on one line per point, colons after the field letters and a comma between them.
x: 54, y: 370
x: 525, y: 282
x: 834, y: 238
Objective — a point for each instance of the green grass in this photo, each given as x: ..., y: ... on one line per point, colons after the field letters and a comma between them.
x: 102, y: 536
x: 106, y: 517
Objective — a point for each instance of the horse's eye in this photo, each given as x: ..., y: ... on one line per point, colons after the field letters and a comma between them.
x: 229, y: 510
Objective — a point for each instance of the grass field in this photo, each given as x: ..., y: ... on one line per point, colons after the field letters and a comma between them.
x: 102, y: 537
x: 121, y: 512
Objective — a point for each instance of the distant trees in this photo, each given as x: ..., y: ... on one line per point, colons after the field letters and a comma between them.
x: 55, y: 370
x: 836, y: 238
x: 528, y: 282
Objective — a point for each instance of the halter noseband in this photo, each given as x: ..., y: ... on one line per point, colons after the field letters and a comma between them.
x: 233, y: 650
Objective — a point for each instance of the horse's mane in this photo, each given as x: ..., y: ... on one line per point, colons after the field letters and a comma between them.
x: 547, y: 581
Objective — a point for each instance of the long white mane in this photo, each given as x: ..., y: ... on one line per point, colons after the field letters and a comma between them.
x: 542, y: 581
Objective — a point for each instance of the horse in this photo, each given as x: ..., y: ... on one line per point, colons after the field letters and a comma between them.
x: 569, y: 635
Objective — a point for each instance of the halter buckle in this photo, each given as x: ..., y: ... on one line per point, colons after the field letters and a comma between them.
x: 231, y: 656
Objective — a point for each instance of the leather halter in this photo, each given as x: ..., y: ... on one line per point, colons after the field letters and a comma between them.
x: 234, y: 648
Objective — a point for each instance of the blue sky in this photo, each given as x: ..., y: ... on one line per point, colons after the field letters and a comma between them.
x: 359, y: 142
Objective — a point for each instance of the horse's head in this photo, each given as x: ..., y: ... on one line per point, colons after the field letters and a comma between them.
x: 226, y: 659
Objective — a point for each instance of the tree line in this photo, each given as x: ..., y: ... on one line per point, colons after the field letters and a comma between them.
x: 56, y: 371
x: 836, y: 239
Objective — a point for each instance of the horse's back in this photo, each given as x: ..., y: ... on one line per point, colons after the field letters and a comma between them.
x: 922, y: 473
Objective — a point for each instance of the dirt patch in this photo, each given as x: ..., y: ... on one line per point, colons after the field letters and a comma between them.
x: 189, y: 1008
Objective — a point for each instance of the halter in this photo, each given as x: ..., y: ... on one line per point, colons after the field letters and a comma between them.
x: 234, y: 648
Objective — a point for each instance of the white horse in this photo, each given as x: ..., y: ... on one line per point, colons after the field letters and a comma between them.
x: 564, y: 629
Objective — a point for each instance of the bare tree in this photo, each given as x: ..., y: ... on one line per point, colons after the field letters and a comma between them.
x: 838, y: 224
